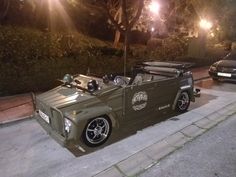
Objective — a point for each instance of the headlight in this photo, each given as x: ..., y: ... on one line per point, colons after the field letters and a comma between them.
x: 68, y: 125
x: 213, y: 68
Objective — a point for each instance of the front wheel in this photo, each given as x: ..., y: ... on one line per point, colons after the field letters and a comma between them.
x: 183, y: 102
x: 97, y: 131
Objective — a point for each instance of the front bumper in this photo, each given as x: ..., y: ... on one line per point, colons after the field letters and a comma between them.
x: 63, y: 141
x: 55, y: 135
x: 215, y: 75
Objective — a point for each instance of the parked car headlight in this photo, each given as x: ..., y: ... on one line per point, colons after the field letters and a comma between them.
x: 68, y: 125
x: 213, y: 68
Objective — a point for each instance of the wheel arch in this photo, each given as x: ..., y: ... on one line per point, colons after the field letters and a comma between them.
x: 87, y: 114
x: 190, y: 93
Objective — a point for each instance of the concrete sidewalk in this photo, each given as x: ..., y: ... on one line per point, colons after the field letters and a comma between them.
x: 20, y: 107
x: 16, y: 108
x: 34, y: 151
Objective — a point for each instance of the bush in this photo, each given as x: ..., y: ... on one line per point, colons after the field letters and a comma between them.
x: 32, y: 60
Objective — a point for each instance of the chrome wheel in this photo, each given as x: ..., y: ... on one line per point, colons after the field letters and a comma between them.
x: 97, y: 131
x: 183, y: 102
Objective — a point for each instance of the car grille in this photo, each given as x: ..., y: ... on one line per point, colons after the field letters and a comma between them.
x: 55, y: 116
x: 227, y: 70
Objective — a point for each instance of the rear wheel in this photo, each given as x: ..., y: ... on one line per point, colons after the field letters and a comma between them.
x: 183, y: 102
x: 97, y: 131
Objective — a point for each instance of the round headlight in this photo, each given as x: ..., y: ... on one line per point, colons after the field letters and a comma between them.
x: 68, y: 125
x: 67, y: 79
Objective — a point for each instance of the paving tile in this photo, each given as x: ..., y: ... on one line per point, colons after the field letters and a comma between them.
x: 231, y: 107
x: 206, y: 110
x: 205, y: 123
x: 229, y: 110
x: 158, y: 150
x: 226, y: 111
x: 177, y: 139
x: 217, y: 117
x: 111, y: 172
x: 135, y: 164
x: 192, y: 131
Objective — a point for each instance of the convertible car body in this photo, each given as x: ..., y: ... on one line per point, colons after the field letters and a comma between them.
x: 224, y: 69
x: 84, y: 110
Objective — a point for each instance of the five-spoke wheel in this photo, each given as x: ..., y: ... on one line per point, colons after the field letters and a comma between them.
x: 97, y: 131
x: 183, y: 102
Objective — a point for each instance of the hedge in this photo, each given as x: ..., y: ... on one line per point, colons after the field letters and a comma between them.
x: 32, y: 60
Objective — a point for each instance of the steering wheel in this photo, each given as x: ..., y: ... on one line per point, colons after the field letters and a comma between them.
x: 119, y: 80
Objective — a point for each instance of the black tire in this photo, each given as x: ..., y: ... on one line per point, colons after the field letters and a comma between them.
x: 215, y: 79
x: 183, y: 102
x: 97, y: 131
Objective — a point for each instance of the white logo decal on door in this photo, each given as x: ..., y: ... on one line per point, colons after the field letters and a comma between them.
x: 139, y: 100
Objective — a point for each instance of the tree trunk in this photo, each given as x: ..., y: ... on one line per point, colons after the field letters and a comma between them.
x: 117, y: 39
x: 118, y: 18
x: 5, y: 7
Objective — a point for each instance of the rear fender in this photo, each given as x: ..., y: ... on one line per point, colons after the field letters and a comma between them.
x: 188, y: 89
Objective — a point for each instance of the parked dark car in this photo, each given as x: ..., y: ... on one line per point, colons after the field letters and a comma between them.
x: 224, y: 69
x: 85, y: 110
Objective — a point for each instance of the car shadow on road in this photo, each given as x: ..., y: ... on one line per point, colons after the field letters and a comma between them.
x: 202, y: 101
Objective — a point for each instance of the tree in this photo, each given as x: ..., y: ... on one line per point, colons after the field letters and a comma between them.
x: 129, y: 16
x: 4, y: 7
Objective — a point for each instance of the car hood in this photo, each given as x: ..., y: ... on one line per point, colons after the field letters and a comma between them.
x: 62, y: 96
x: 227, y: 63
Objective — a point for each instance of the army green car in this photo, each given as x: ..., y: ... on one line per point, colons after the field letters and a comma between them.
x: 85, y: 110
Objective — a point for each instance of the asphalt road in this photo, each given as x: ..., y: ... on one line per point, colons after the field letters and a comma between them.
x: 26, y: 150
x: 211, y: 155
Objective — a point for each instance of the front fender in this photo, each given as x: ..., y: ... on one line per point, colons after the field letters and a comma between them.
x: 88, y: 113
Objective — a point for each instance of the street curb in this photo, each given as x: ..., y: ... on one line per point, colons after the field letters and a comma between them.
x: 200, y: 79
x: 15, y: 121
x: 207, y: 123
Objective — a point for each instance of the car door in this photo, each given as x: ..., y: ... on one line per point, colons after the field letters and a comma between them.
x: 148, y: 98
x: 165, y: 94
x: 139, y: 100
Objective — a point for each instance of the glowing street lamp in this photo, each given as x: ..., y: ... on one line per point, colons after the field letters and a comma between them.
x: 205, y: 24
x: 154, y: 7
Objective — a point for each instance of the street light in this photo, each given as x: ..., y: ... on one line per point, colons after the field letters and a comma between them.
x: 154, y: 7
x: 205, y: 24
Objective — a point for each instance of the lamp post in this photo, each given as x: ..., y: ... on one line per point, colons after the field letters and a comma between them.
x: 204, y: 28
x: 154, y: 9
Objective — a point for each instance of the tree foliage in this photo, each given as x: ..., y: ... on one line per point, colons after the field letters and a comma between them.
x: 175, y: 15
